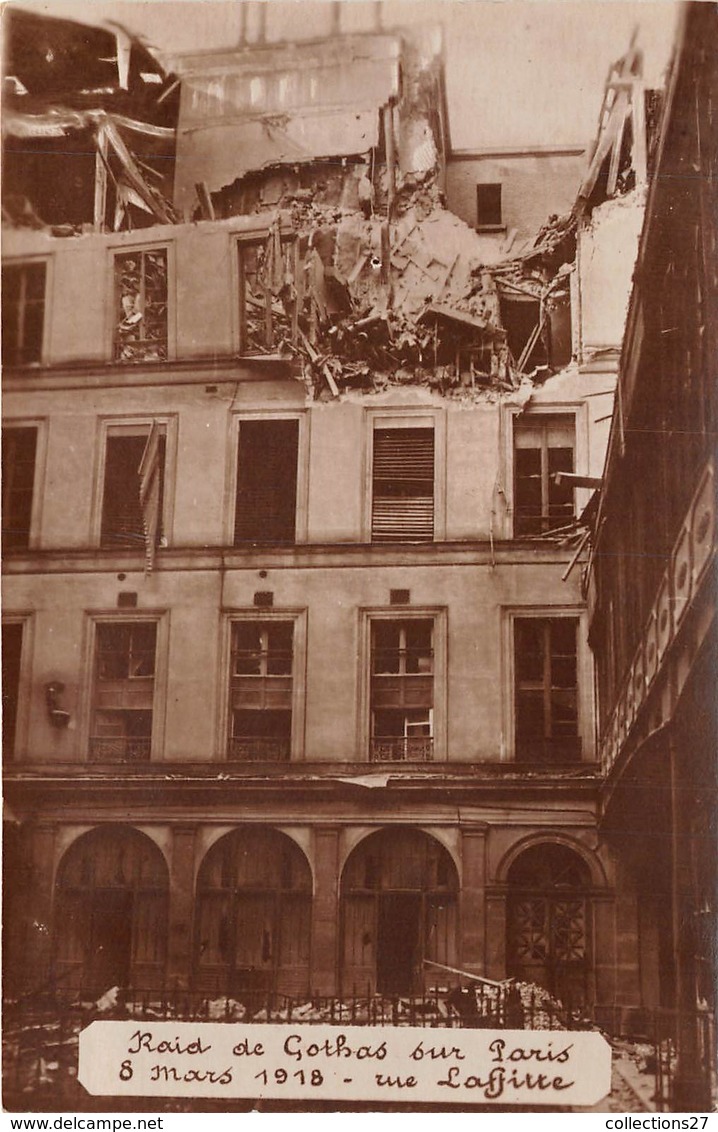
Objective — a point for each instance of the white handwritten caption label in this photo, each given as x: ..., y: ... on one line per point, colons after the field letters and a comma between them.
x: 351, y: 1063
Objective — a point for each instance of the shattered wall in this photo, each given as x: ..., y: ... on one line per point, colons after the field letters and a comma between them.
x: 607, y: 249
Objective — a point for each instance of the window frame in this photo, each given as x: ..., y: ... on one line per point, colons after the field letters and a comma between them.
x: 438, y: 615
x: 24, y: 618
x: 40, y: 426
x: 251, y: 238
x: 134, y: 426
x: 578, y: 411
x: 492, y: 225
x: 402, y: 419
x: 298, y: 619
x: 133, y: 247
x: 159, y: 617
x: 302, y: 489
x: 584, y: 677
x: 24, y: 261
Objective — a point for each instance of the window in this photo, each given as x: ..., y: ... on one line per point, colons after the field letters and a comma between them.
x: 141, y: 306
x: 546, y: 689
x: 261, y: 691
x: 488, y: 205
x: 267, y: 295
x: 19, y: 447
x: 11, y: 657
x: 402, y: 691
x: 23, y: 287
x: 123, y: 691
x: 403, y: 485
x: 267, y: 481
x: 543, y: 445
x: 133, y: 494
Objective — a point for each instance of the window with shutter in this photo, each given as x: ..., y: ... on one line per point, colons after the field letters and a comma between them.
x: 267, y: 481
x: 128, y: 513
x: 403, y: 485
x: 543, y: 445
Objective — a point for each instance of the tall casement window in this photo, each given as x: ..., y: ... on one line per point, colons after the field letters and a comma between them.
x: 19, y: 448
x: 488, y: 205
x: 254, y: 896
x: 12, y: 633
x: 261, y: 691
x: 141, y: 319
x: 110, y: 922
x: 267, y: 482
x: 543, y: 446
x: 403, y: 485
x: 123, y: 691
x: 23, y: 313
x: 133, y: 491
x: 402, y: 690
x: 546, y: 689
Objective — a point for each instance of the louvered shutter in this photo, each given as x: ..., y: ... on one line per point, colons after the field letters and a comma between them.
x: 267, y: 481
x: 403, y: 485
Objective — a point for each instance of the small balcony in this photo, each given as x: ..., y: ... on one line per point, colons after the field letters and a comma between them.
x: 120, y: 749
x: 400, y: 749
x: 259, y: 749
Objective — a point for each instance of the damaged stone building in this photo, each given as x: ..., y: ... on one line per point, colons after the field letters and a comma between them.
x: 298, y: 485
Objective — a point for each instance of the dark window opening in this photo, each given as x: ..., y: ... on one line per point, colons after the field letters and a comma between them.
x: 125, y: 519
x: 546, y: 689
x: 403, y: 485
x: 267, y: 482
x: 488, y: 205
x: 11, y: 656
x: 141, y: 306
x: 123, y: 692
x: 402, y: 691
x: 543, y: 446
x: 261, y: 691
x: 23, y: 305
x: 19, y: 446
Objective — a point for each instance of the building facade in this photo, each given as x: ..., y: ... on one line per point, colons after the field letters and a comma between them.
x: 299, y: 693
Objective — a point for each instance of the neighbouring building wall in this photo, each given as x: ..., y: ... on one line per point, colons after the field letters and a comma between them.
x: 534, y: 184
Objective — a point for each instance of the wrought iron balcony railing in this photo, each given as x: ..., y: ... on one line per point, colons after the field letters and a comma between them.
x: 123, y: 749
x: 254, y: 749
x: 400, y: 750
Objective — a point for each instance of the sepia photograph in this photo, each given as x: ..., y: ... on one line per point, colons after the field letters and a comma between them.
x: 359, y: 655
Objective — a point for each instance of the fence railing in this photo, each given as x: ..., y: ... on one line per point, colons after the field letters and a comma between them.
x: 40, y: 1038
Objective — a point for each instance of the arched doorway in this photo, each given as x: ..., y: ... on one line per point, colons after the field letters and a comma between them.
x: 111, y: 898
x: 254, y: 896
x: 548, y: 921
x: 399, y: 898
